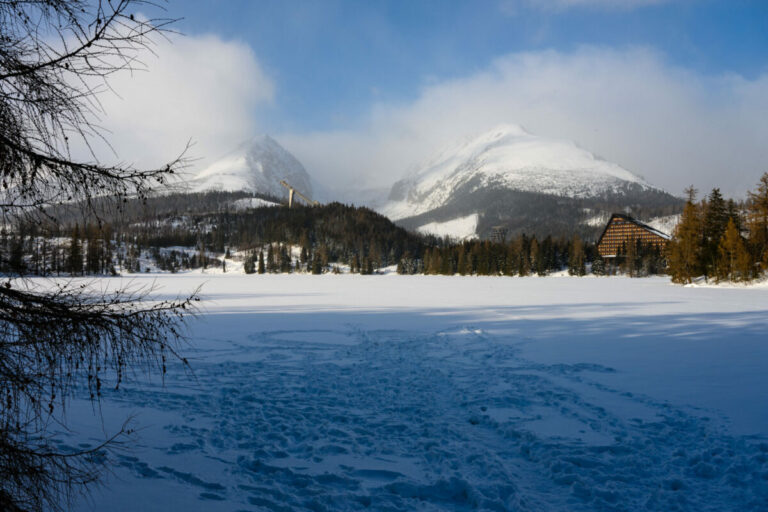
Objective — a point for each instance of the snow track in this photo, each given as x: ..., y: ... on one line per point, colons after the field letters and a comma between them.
x: 453, y: 418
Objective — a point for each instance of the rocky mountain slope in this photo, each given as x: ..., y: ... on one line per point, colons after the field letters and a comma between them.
x: 511, y: 178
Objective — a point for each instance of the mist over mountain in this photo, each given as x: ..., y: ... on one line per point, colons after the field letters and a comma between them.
x: 504, y: 178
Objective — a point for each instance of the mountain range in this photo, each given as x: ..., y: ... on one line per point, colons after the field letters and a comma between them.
x: 504, y: 180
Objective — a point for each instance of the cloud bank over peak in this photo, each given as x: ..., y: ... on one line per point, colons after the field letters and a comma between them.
x: 672, y: 125
x: 201, y: 88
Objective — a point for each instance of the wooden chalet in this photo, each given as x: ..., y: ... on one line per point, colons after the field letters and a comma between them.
x: 622, y: 230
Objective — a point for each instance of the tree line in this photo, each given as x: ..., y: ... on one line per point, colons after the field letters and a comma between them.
x: 719, y: 239
x: 715, y: 238
x: 521, y: 256
x: 275, y: 240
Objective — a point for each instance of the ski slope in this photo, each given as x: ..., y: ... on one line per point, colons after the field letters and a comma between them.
x: 461, y: 228
x: 325, y: 393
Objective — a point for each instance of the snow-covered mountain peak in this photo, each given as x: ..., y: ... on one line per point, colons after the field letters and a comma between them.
x: 256, y: 165
x: 509, y: 157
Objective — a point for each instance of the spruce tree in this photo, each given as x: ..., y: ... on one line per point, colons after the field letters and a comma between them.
x: 734, y: 261
x: 522, y: 248
x: 75, y: 260
x: 16, y: 257
x: 684, y: 250
x: 261, y: 262
x: 249, y: 266
x: 271, y: 263
x: 317, y: 265
x: 714, y: 223
x: 629, y: 264
x: 324, y: 257
x: 757, y: 222
x: 92, y: 250
x: 285, y: 259
x: 734, y: 214
x: 577, y: 258
x: 535, y: 255
x: 462, y: 261
x: 598, y: 265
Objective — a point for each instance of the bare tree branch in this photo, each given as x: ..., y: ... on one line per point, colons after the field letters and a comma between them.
x: 56, y: 57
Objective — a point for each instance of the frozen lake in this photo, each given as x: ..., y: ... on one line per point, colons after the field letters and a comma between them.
x: 448, y: 393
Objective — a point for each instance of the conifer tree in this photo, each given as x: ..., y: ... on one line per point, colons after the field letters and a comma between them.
x: 261, y: 262
x: 522, y: 248
x: 202, y: 257
x: 757, y: 222
x: 75, y: 260
x: 534, y: 255
x: 684, y: 250
x: 462, y: 261
x: 16, y: 257
x: 285, y: 259
x: 734, y: 214
x: 577, y: 259
x: 271, y: 264
x: 714, y: 223
x: 470, y: 263
x: 734, y: 262
x: 249, y: 266
x: 598, y: 265
x: 447, y: 265
x: 317, y: 266
x: 324, y: 257
x: 92, y: 250
x: 630, y: 253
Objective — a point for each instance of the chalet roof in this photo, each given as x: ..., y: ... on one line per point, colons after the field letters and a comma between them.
x: 635, y: 222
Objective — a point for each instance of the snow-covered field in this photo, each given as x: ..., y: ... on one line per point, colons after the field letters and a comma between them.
x: 449, y: 393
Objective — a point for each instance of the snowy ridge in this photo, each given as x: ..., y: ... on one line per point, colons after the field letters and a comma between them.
x: 257, y: 165
x: 508, y: 157
x: 462, y: 228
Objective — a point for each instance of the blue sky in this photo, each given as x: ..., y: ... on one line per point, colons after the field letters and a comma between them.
x: 362, y: 91
x: 331, y: 59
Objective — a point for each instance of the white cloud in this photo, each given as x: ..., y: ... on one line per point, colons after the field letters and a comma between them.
x: 672, y: 125
x: 195, y: 87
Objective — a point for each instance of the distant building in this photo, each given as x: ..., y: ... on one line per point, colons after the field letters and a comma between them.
x: 623, y: 229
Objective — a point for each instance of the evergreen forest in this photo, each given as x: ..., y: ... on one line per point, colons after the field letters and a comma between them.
x: 716, y: 238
